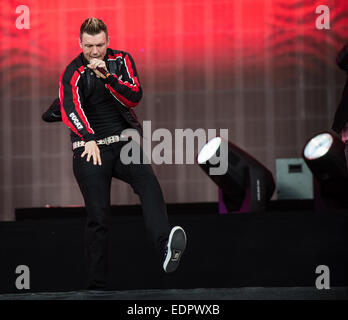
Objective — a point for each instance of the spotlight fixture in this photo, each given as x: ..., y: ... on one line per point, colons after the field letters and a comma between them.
x: 324, y: 155
x: 318, y: 146
x: 245, y: 184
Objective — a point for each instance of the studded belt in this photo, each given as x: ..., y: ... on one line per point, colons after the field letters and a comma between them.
x: 107, y: 141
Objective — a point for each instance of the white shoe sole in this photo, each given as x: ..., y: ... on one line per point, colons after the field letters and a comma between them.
x: 175, y: 248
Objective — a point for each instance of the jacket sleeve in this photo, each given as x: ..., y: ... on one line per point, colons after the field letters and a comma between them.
x: 52, y: 114
x: 342, y: 58
x: 125, y: 88
x: 71, y: 103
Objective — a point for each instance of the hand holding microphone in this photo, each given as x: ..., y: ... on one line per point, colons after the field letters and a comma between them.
x: 99, y: 67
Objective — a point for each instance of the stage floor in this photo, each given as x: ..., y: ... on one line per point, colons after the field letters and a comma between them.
x: 248, y: 293
x: 270, y: 255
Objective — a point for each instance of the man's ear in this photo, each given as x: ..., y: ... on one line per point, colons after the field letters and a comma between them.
x: 80, y: 43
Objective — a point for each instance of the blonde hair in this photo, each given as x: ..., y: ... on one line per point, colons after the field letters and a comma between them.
x: 93, y: 26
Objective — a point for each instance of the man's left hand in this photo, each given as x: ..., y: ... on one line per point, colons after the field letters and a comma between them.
x: 94, y: 63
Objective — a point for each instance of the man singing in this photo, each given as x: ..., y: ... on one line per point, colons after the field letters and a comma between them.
x: 97, y: 94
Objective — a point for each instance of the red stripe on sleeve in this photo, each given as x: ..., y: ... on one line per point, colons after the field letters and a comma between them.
x: 76, y: 100
x: 64, y: 116
x: 133, y: 87
x: 121, y: 98
x: 130, y: 70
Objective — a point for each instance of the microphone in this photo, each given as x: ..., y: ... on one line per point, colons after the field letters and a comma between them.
x: 103, y: 71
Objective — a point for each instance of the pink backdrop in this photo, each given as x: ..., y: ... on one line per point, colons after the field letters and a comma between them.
x: 258, y: 68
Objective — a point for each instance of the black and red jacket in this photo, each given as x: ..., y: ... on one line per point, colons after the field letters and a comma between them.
x: 90, y: 106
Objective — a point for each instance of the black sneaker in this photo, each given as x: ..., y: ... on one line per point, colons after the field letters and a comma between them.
x: 175, y: 248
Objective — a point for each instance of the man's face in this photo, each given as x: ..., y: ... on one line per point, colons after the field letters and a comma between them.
x: 94, y: 46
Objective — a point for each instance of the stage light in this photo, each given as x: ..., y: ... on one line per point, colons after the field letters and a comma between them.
x: 245, y: 186
x: 209, y: 150
x: 318, y: 146
x: 324, y: 155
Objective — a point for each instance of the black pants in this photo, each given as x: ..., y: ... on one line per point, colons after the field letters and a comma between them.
x: 95, y: 182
